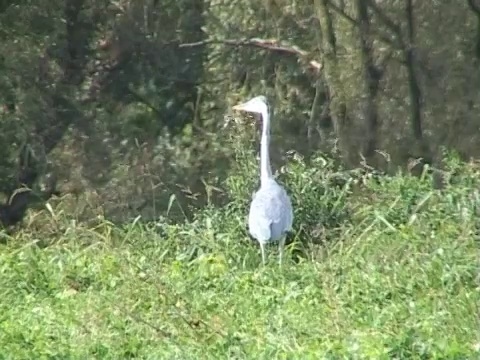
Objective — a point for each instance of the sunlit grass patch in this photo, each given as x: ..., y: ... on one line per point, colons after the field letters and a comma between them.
x: 393, y: 277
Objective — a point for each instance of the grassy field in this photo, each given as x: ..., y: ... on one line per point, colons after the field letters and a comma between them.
x: 379, y: 269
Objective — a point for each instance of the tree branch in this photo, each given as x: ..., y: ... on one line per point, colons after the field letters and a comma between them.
x: 266, y: 44
x: 341, y: 12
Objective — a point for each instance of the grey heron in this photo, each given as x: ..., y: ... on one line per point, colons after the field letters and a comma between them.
x: 271, y: 214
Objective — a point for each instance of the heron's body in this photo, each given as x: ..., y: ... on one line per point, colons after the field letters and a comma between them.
x: 271, y: 214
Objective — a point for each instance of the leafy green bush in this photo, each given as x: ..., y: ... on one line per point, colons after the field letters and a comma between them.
x: 399, y: 278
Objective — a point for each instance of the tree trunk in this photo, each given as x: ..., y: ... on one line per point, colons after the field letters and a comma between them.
x: 337, y: 104
x: 415, y: 94
x: 371, y: 78
x: 474, y: 5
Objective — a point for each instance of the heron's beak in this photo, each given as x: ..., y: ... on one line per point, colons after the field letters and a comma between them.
x: 239, y: 107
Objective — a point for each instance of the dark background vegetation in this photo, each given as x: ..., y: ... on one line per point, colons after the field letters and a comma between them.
x: 114, y: 106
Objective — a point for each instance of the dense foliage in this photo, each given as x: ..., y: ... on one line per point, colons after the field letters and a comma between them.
x: 127, y: 179
x: 129, y: 97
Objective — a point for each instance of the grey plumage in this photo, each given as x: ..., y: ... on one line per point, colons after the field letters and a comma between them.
x: 271, y: 214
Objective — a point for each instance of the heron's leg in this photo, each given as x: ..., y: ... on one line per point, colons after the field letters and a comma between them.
x: 262, y: 248
x: 281, y: 247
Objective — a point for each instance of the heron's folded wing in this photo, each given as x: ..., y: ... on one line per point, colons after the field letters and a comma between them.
x: 269, y: 216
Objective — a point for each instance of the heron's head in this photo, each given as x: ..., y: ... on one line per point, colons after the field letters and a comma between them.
x: 257, y: 105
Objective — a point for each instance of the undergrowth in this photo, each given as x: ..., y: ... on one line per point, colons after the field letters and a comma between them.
x: 378, y: 268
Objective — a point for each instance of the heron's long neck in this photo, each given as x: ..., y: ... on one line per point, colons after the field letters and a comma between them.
x: 265, y: 169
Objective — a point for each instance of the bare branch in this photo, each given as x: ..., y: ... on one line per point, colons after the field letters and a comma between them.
x: 266, y: 44
x: 142, y: 99
x: 341, y: 12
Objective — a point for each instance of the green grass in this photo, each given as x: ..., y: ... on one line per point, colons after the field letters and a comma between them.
x: 389, y: 271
